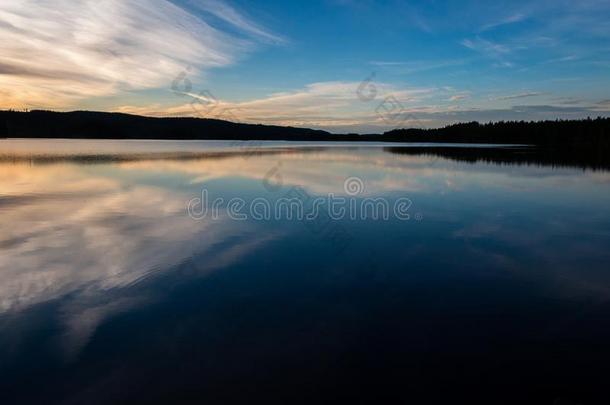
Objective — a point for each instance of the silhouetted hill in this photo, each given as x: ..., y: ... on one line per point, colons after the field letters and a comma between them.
x: 589, y: 134
x: 99, y: 125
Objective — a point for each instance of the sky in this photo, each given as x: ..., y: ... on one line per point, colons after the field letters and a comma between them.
x: 340, y: 65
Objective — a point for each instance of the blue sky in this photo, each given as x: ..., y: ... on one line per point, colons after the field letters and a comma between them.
x: 340, y: 65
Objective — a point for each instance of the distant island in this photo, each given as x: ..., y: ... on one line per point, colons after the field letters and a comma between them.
x: 592, y: 135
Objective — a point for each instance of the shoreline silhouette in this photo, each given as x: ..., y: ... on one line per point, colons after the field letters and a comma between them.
x: 581, y: 134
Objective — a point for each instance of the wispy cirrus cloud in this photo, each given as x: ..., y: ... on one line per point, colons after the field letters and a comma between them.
x: 230, y: 15
x: 518, y: 96
x: 459, y: 97
x: 603, y: 105
x: 497, y: 52
x: 319, y: 105
x: 408, y: 67
x: 511, y: 19
x: 55, y: 53
x: 487, y: 47
x: 337, y: 118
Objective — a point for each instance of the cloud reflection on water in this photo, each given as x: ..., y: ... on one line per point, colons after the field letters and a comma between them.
x: 89, y: 237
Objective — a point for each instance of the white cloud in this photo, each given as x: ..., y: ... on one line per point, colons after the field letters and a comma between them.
x: 324, y: 104
x: 54, y: 53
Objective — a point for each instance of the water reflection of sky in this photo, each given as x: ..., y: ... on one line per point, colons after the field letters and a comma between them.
x: 90, y: 242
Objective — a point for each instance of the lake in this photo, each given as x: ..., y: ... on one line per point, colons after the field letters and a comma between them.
x: 218, y: 272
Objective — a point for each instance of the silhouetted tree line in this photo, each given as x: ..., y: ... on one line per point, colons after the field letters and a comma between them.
x: 590, y: 134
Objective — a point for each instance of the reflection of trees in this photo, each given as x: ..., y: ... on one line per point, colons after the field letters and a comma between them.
x: 585, y: 158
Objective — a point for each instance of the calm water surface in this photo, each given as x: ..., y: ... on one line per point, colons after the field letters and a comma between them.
x: 494, y: 291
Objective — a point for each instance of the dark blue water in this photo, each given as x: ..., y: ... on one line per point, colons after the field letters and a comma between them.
x: 494, y: 289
